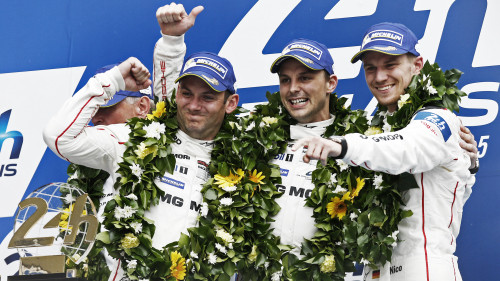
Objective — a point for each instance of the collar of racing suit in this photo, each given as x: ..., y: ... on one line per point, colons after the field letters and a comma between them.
x: 310, y: 129
x: 199, y: 148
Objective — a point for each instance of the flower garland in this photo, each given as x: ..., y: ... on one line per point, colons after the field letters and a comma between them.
x: 355, y: 223
x: 90, y: 181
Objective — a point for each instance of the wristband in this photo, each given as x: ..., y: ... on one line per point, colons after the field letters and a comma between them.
x: 343, y: 145
x: 475, y: 169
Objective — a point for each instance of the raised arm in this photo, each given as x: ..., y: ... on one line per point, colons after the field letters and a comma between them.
x: 170, y: 49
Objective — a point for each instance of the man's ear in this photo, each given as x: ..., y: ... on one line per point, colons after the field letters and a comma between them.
x: 332, y: 83
x: 232, y: 103
x: 419, y: 64
x: 143, y: 106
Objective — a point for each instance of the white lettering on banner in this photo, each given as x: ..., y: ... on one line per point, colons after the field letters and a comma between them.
x: 487, y: 44
x: 252, y: 65
x: 429, y: 43
x: 31, y: 106
x: 344, y: 9
x: 491, y: 106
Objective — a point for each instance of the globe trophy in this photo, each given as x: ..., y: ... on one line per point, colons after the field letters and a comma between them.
x: 55, y: 226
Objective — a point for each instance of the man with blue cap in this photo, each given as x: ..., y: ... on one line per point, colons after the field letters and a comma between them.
x: 206, y: 92
x: 429, y: 148
x: 306, y: 80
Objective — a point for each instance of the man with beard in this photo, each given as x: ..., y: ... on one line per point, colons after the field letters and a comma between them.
x: 203, y: 98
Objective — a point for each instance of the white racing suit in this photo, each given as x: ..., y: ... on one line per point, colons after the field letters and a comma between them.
x: 294, y: 222
x: 101, y: 147
x: 429, y: 149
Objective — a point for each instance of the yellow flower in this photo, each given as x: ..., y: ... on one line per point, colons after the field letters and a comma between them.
x: 360, y: 183
x: 160, y: 110
x: 256, y: 177
x: 269, y: 120
x: 373, y: 130
x: 403, y: 100
x: 178, y: 267
x: 142, y: 151
x: 252, y: 257
x: 328, y: 265
x: 337, y: 208
x: 129, y: 241
x: 230, y: 180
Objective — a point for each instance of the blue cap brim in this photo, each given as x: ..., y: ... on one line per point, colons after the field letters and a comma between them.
x: 211, y: 81
x: 276, y: 64
x: 116, y: 99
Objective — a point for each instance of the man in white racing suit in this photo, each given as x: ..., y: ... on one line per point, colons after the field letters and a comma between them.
x: 202, y: 99
x: 429, y: 148
x: 306, y: 82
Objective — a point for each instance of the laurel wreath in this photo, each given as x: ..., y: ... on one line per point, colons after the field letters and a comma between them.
x: 356, y: 211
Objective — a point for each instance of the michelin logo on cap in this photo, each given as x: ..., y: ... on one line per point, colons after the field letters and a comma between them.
x: 214, y: 65
x: 383, y: 35
x: 315, y: 52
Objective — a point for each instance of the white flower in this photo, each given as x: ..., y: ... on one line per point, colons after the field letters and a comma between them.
x: 230, y: 245
x: 136, y: 170
x: 226, y: 201
x: 73, y: 176
x: 333, y: 179
x: 234, y: 124
x: 338, y: 243
x: 225, y: 236
x: 119, y: 213
x: 387, y: 127
x: 229, y: 188
x: 204, y: 209
x: 377, y: 182
x: 193, y: 255
x: 276, y: 276
x: 221, y: 248
x: 363, y: 261
x: 85, y: 267
x: 212, y: 258
x: 137, y: 226
x: 353, y: 216
x: 154, y: 130
x: 394, y: 235
x: 128, y: 211
x: 132, y: 264
x: 403, y: 99
x: 339, y: 189
x: 69, y: 198
x: 430, y: 88
x: 131, y: 196
x: 266, y: 264
x: 342, y: 165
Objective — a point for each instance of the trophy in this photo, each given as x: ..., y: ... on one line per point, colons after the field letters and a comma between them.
x: 55, y: 226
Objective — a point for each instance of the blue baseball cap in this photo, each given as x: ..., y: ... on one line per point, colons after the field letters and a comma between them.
x: 388, y: 38
x: 121, y: 95
x: 216, y: 71
x: 312, y: 54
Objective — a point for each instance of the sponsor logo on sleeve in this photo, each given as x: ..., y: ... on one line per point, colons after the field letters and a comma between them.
x: 437, y: 120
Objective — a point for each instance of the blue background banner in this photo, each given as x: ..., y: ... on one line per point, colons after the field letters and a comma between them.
x: 51, y: 48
